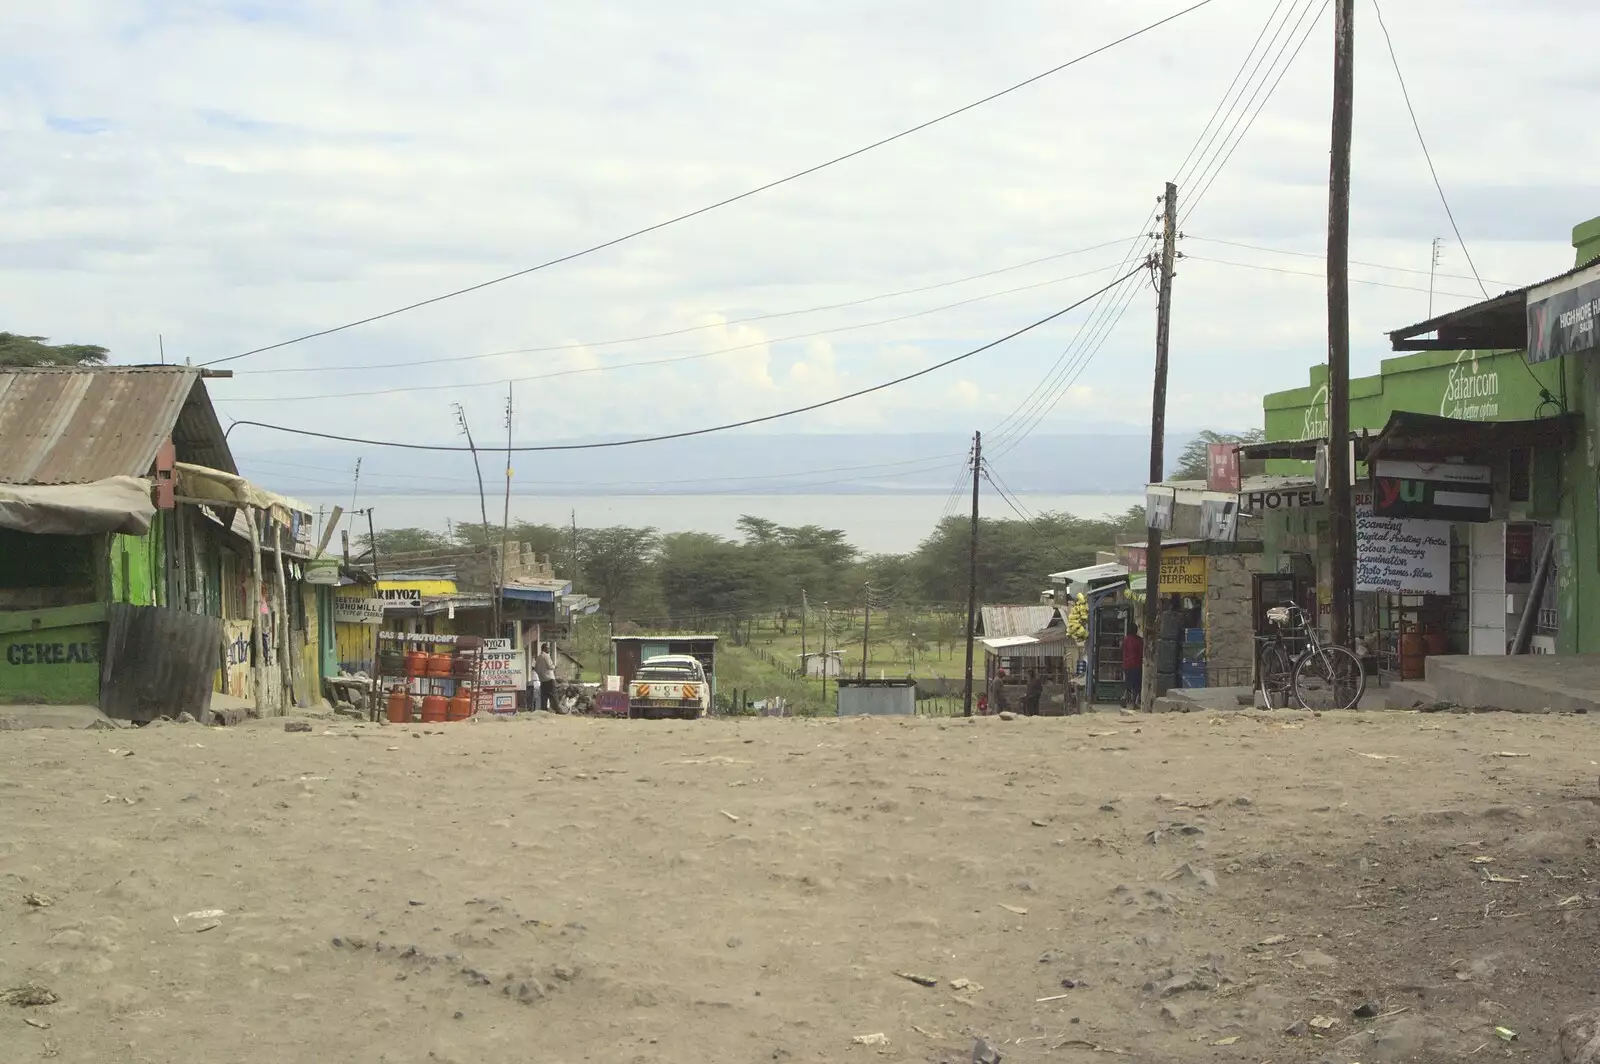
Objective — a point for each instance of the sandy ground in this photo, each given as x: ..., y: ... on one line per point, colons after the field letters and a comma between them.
x: 1175, y: 888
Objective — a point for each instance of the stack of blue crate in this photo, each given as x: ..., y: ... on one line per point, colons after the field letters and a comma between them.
x: 1192, y: 666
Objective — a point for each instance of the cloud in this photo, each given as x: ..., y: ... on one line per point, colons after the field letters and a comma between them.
x: 232, y: 173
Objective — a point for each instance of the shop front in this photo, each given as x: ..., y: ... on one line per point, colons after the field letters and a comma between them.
x: 1463, y: 529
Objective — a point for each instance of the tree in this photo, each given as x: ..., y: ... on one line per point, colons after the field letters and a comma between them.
x: 1194, y: 462
x: 404, y: 541
x: 618, y: 566
x: 16, y: 350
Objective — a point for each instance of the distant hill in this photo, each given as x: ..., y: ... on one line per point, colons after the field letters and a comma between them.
x: 1112, y: 462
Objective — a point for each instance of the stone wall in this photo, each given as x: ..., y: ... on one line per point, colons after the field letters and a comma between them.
x: 1230, y: 639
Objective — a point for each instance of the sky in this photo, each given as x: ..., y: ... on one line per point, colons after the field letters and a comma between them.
x: 228, y: 174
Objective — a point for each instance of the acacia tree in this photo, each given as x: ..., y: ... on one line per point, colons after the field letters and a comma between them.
x: 618, y: 566
x: 17, y: 350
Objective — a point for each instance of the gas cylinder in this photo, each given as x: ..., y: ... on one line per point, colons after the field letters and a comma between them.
x: 460, y: 705
x: 433, y: 709
x: 416, y: 663
x: 399, y: 706
x: 439, y: 665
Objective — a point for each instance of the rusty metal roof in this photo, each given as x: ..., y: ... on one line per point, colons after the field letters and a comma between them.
x: 77, y: 425
x: 999, y: 621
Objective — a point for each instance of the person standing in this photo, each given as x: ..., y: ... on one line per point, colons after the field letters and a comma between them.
x: 1035, y: 695
x: 1132, y: 667
x: 544, y: 668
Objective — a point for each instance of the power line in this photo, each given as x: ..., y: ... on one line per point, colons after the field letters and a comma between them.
x: 671, y: 359
x: 1069, y: 366
x: 589, y: 345
x: 1320, y: 257
x: 1194, y: 201
x: 710, y: 429
x: 1404, y: 92
x: 723, y: 202
x: 412, y: 477
x: 1304, y: 273
x: 1240, y: 106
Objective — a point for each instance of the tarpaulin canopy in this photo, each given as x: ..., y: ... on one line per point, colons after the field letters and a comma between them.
x: 116, y: 504
x: 205, y: 484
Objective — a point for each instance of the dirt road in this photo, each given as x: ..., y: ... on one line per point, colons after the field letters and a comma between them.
x: 1177, y: 888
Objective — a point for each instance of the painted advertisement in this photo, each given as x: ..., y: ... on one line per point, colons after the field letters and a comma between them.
x: 236, y: 675
x: 1402, y: 555
x: 51, y: 665
x: 503, y: 669
x: 1182, y: 574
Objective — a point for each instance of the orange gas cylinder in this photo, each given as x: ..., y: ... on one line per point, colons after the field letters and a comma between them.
x: 433, y: 709
x: 439, y: 665
x: 460, y: 705
x: 416, y: 663
x: 399, y: 706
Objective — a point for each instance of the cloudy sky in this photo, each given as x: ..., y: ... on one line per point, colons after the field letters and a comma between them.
x: 232, y: 174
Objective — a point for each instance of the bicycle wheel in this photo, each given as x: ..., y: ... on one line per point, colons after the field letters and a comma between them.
x: 1277, y: 676
x: 1329, y: 677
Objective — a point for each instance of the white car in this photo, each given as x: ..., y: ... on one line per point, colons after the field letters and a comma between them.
x: 673, y: 685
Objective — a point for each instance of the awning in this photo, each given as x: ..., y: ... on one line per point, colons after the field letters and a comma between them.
x: 1500, y: 323
x: 1428, y: 435
x: 116, y: 504
x: 1091, y: 574
x: 1301, y: 450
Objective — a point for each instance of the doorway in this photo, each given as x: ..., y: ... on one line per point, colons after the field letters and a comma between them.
x: 1486, y: 612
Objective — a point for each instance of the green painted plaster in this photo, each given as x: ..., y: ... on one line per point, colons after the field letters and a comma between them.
x: 56, y: 665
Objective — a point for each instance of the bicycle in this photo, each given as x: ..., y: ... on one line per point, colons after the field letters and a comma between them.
x: 1320, y: 676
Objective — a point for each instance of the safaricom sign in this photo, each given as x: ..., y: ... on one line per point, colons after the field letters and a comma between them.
x: 1469, y: 394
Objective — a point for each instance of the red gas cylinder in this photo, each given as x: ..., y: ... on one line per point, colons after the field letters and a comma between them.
x: 416, y: 663
x: 439, y: 665
x: 399, y: 706
x: 433, y: 709
x: 460, y: 705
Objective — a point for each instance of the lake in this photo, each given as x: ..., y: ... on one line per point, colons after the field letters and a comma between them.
x: 876, y: 524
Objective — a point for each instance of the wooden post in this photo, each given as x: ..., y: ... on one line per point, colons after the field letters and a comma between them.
x: 1158, y: 441
x: 866, y: 627
x: 259, y: 673
x: 286, y: 654
x: 972, y: 570
x: 1341, y: 510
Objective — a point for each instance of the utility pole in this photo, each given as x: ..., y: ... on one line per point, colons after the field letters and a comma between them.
x: 1158, y: 442
x: 825, y: 619
x: 972, y: 571
x: 1341, y: 512
x: 805, y: 608
x: 505, y: 527
x: 1433, y: 269
x: 866, y: 627
x: 483, y: 504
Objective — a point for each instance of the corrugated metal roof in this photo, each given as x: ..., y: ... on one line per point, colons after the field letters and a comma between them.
x: 74, y: 426
x: 1001, y: 621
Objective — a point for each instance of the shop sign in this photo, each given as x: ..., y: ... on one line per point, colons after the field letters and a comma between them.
x: 1219, y: 519
x: 1158, y: 507
x: 1222, y: 467
x: 1315, y: 426
x: 1182, y: 574
x: 400, y: 594
x: 1277, y: 500
x: 1561, y: 316
x: 503, y: 669
x: 323, y: 572
x: 358, y: 611
x: 1442, y: 491
x: 1471, y: 391
x: 1401, y: 555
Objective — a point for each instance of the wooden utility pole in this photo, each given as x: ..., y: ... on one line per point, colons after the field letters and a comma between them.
x: 972, y: 571
x: 825, y: 619
x: 866, y: 627
x: 805, y: 661
x: 1341, y: 511
x: 1158, y: 441
x: 505, y: 526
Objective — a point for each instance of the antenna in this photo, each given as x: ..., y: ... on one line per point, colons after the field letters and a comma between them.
x: 1433, y: 268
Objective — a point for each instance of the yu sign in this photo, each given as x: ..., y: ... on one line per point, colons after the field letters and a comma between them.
x: 1431, y: 491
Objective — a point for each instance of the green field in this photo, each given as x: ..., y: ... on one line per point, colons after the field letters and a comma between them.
x: 761, y: 659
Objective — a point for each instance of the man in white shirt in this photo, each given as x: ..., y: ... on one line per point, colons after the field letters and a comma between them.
x: 544, y: 668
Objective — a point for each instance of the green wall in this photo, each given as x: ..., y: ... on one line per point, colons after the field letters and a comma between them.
x: 138, y: 566
x: 51, y: 656
x: 1481, y: 386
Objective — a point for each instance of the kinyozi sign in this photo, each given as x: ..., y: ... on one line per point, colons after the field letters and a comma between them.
x: 1561, y: 316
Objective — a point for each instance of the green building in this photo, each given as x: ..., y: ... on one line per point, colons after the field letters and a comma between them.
x: 1476, y: 486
